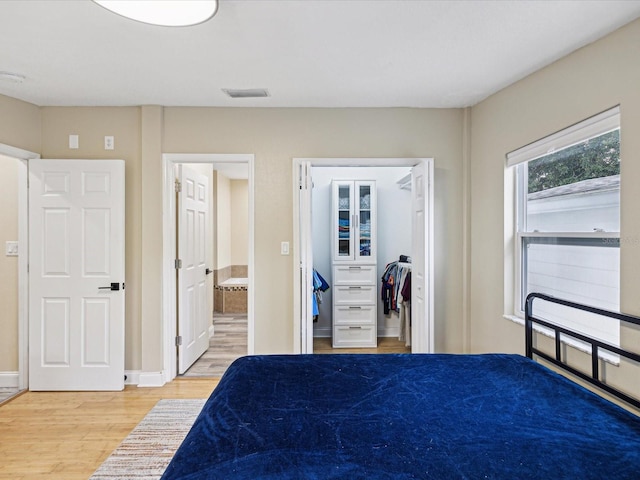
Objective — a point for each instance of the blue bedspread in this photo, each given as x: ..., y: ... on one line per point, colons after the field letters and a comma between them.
x: 405, y: 416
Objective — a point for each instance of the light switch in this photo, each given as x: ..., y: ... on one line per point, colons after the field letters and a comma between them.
x: 284, y: 248
x: 74, y: 141
x: 11, y: 249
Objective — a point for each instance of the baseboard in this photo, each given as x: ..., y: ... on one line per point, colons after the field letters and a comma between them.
x: 9, y: 380
x: 132, y: 377
x: 322, y: 332
x: 389, y: 332
x: 151, y: 379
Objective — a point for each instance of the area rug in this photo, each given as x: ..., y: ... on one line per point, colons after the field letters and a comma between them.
x: 148, y: 449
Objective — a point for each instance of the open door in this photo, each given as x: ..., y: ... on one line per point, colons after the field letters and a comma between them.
x: 194, y: 314
x: 306, y: 257
x: 76, y: 275
x: 421, y: 318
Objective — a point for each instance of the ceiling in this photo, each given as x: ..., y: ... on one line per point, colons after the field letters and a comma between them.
x: 307, y: 53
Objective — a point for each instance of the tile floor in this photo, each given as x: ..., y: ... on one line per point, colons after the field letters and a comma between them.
x: 228, y: 343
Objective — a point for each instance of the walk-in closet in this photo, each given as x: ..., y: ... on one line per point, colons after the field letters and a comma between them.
x: 361, y: 223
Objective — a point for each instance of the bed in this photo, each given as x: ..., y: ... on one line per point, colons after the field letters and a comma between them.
x: 399, y: 416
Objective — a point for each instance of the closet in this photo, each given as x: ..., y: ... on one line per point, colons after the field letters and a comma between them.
x: 360, y: 220
x: 354, y: 264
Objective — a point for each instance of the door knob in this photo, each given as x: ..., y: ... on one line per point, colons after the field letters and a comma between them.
x: 208, y: 271
x: 113, y: 286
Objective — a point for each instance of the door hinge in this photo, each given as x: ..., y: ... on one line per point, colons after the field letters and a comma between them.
x: 178, y: 186
x: 177, y: 263
x: 178, y: 340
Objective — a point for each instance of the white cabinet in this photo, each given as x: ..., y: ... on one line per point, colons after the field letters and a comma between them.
x: 355, y: 286
x: 354, y: 221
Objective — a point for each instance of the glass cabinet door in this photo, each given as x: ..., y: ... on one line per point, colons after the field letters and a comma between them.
x: 345, y: 234
x: 364, y: 203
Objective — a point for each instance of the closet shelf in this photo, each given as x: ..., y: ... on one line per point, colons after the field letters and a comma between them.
x: 405, y: 182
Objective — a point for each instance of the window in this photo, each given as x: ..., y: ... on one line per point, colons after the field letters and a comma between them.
x: 568, y: 223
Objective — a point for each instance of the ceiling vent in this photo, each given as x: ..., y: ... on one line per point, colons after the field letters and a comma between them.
x: 247, y: 93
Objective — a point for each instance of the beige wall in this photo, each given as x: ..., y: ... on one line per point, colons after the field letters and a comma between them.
x: 222, y: 205
x: 593, y: 79
x: 8, y: 265
x: 275, y: 136
x: 20, y: 124
x: 239, y: 222
x: 586, y: 82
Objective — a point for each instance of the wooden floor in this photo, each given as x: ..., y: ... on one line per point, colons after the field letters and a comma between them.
x: 67, y: 435
x: 385, y: 345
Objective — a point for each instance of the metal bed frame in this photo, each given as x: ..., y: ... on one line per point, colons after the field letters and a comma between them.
x: 596, y: 345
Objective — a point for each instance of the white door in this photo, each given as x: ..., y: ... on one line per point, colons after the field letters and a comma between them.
x: 421, y: 320
x: 76, y: 274
x: 306, y: 257
x: 194, y: 315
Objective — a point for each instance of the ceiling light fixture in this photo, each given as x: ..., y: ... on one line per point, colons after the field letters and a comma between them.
x: 167, y: 13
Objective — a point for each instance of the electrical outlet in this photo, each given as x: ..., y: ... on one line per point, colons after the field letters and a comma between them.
x: 11, y: 249
x: 109, y: 142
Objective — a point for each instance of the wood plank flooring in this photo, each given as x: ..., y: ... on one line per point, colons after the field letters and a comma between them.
x: 67, y: 435
x: 385, y: 345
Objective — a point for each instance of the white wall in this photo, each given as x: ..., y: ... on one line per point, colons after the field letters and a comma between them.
x: 394, y: 230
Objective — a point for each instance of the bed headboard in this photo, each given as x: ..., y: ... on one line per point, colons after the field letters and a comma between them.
x: 596, y: 345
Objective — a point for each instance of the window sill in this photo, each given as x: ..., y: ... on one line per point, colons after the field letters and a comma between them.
x: 610, y: 358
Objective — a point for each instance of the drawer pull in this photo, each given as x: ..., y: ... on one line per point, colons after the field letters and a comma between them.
x: 355, y: 288
x: 355, y: 308
x: 355, y: 268
x: 355, y: 328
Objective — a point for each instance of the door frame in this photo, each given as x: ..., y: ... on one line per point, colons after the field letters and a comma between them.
x: 23, y: 156
x: 299, y: 327
x: 169, y: 304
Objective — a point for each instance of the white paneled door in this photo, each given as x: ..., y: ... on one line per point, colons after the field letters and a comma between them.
x: 421, y: 330
x: 194, y: 314
x: 76, y: 275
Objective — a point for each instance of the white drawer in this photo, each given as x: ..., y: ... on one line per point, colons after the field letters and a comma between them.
x: 354, y: 315
x: 354, y: 275
x: 354, y: 295
x: 354, y: 336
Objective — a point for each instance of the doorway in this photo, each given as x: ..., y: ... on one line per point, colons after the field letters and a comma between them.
x: 419, y: 240
x: 9, y: 321
x: 222, y: 166
x: 20, y: 378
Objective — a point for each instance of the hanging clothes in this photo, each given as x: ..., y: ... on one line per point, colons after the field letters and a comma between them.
x: 405, y: 311
x: 392, y: 282
x: 396, y: 295
x: 319, y: 285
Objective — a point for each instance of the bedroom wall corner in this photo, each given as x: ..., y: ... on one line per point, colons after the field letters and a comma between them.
x: 20, y: 124
x: 584, y: 83
x: 277, y: 135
